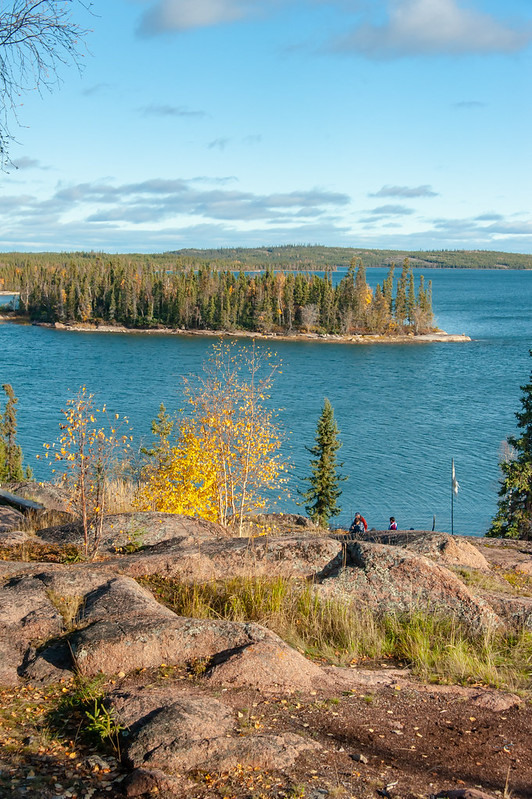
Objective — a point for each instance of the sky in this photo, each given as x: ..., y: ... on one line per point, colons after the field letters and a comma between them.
x: 391, y: 124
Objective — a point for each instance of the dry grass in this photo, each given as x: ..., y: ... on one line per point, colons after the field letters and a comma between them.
x: 501, y: 582
x: 31, y: 551
x: 119, y: 496
x: 436, y: 648
x: 68, y: 606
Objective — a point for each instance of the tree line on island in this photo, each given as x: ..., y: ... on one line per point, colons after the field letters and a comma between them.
x: 145, y: 296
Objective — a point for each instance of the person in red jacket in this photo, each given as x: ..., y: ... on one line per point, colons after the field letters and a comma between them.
x: 393, y: 524
x: 358, y: 525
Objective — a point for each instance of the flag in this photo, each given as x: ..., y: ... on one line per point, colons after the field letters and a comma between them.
x: 455, y: 482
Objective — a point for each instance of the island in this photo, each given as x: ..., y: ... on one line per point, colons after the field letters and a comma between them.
x: 119, y: 295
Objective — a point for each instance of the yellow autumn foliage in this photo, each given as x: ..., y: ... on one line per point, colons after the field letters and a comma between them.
x: 182, y: 478
x: 226, y: 455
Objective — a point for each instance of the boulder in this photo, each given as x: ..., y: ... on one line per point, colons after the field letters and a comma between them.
x: 506, y: 554
x: 193, y: 734
x: 154, y: 782
x: 463, y: 793
x: 13, y: 538
x: 73, y: 581
x: 27, y: 616
x: 390, y: 579
x: 126, y: 628
x: 131, y: 531
x: 449, y: 550
x: 119, y: 626
x: 283, y: 519
x: 10, y: 519
x: 52, y: 497
x: 270, y: 666
x: 515, y: 611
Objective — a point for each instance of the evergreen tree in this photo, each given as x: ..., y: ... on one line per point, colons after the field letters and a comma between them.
x: 321, y: 498
x: 11, y: 469
x: 361, y: 295
x: 410, y: 298
x: 400, y: 297
x: 387, y: 288
x: 514, y: 517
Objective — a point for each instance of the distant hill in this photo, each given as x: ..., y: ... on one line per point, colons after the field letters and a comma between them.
x: 316, y: 257
x: 298, y: 257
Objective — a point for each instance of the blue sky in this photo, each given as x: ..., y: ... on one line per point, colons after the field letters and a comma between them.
x: 214, y: 123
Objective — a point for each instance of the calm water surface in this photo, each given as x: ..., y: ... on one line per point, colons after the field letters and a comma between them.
x: 403, y: 410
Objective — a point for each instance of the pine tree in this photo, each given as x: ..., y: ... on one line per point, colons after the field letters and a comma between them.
x: 514, y: 516
x: 11, y: 469
x: 324, y: 491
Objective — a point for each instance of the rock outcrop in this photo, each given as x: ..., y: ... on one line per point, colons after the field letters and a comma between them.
x: 57, y: 619
x: 131, y: 531
x: 52, y: 497
x: 448, y: 550
x: 10, y: 519
x: 388, y: 579
x: 27, y: 615
x: 216, y: 558
x: 190, y: 733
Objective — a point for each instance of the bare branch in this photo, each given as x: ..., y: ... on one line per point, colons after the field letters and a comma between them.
x: 37, y: 37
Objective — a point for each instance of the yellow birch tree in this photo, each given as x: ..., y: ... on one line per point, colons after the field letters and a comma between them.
x: 227, y: 453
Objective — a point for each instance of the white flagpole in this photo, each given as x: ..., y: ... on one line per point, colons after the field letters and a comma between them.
x: 454, y: 490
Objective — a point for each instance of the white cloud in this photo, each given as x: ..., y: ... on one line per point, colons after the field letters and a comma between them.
x: 155, y: 201
x: 405, y: 191
x: 26, y: 163
x: 179, y: 15
x: 387, y: 210
x: 385, y: 28
x: 433, y: 27
x: 159, y: 213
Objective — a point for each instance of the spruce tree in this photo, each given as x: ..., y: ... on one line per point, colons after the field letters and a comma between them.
x: 410, y: 298
x: 514, y: 516
x: 322, y: 496
x: 400, y: 297
x: 361, y: 296
x: 387, y: 287
x: 11, y: 469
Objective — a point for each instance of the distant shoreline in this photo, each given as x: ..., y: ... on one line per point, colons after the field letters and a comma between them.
x: 368, y: 338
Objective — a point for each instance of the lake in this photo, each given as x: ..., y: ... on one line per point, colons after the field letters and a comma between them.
x: 404, y: 410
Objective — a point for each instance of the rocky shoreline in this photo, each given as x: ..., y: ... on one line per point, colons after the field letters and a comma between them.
x: 369, y: 338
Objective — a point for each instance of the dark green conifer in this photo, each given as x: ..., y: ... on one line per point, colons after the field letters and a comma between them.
x: 410, y: 298
x: 361, y: 296
x: 400, y: 297
x: 387, y: 287
x: 322, y: 497
x: 514, y: 516
x: 11, y: 469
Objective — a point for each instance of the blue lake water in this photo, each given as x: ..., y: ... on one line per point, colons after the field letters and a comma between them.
x: 403, y: 410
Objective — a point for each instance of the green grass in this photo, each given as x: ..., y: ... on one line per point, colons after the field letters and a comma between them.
x: 437, y: 648
x: 85, y: 705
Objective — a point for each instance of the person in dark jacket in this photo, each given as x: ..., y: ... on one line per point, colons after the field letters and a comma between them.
x: 358, y: 525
